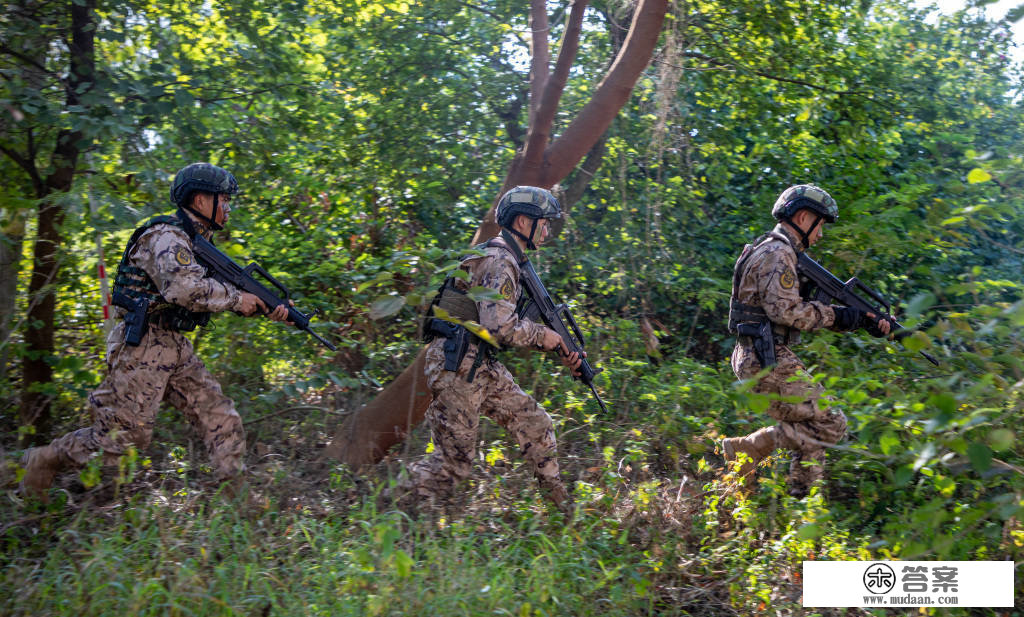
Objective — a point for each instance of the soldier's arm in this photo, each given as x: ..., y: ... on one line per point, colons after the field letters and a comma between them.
x: 780, y: 293
x: 499, y: 316
x: 165, y: 253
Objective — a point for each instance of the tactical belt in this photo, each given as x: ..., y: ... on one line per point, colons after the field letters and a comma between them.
x: 747, y: 341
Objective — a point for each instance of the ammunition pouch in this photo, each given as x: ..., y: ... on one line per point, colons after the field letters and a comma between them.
x: 759, y: 335
x: 456, y: 303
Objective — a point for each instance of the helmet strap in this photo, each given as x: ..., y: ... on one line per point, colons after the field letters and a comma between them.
x: 212, y: 219
x: 805, y: 236
x: 527, y: 239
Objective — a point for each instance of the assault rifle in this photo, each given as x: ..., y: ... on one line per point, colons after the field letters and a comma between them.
x: 554, y: 316
x: 223, y: 268
x: 827, y: 288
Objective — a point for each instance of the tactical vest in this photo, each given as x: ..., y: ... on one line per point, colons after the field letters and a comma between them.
x: 740, y: 312
x: 459, y: 305
x: 135, y: 283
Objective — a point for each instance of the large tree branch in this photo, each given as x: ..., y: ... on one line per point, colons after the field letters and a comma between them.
x: 540, y: 55
x: 611, y: 94
x: 544, y: 117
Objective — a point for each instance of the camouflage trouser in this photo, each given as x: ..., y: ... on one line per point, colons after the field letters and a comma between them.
x: 454, y: 417
x: 164, y: 367
x: 803, y: 427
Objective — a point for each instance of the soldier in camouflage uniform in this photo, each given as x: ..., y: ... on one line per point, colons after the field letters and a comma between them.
x: 158, y: 266
x: 462, y: 372
x: 766, y: 288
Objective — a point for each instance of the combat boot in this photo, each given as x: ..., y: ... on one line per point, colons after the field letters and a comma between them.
x: 556, y: 493
x: 41, y: 466
x: 732, y: 445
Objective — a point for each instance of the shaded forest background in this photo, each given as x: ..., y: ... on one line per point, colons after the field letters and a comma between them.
x: 370, y: 139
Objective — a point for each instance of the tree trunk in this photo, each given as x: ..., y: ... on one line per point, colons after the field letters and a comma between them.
x: 36, y: 367
x: 11, y: 240
x: 368, y: 433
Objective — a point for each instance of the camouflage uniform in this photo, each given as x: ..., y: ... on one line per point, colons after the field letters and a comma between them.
x: 768, y: 279
x: 454, y: 413
x: 163, y: 367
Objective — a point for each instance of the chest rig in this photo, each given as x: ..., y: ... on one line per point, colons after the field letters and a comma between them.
x: 458, y: 306
x: 136, y: 292
x: 742, y: 313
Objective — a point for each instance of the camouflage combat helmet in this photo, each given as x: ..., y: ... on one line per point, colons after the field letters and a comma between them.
x: 805, y: 196
x: 530, y: 201
x: 201, y: 177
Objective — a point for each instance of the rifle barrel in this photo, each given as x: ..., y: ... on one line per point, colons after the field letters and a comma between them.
x: 598, y: 397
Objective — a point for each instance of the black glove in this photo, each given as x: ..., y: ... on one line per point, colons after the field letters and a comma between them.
x: 871, y: 325
x: 847, y: 318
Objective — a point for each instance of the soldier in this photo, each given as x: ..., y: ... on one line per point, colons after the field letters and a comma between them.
x: 156, y: 362
x: 766, y: 290
x: 464, y: 375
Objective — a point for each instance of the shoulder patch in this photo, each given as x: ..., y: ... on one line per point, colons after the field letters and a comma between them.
x: 183, y: 256
x: 787, y: 279
x: 507, y: 288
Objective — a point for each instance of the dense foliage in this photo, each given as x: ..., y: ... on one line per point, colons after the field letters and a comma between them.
x: 369, y: 139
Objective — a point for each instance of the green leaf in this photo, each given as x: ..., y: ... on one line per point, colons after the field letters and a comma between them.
x: 919, y: 303
x: 980, y: 455
x: 478, y: 294
x: 889, y: 443
x: 978, y: 175
x: 944, y: 402
x: 944, y: 485
x: 810, y: 531
x: 1001, y: 439
x: 403, y: 564
x: 386, y: 306
x: 916, y: 341
x: 380, y: 278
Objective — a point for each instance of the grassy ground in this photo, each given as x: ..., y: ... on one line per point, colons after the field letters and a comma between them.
x: 658, y: 529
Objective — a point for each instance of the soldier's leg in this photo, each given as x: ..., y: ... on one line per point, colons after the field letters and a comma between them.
x: 123, y: 408
x: 809, y: 440
x: 454, y: 419
x: 194, y: 391
x: 762, y: 442
x: 805, y: 428
x: 531, y: 426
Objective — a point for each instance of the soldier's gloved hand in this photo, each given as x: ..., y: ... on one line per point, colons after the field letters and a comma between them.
x: 248, y: 304
x: 847, y: 318
x: 878, y: 328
